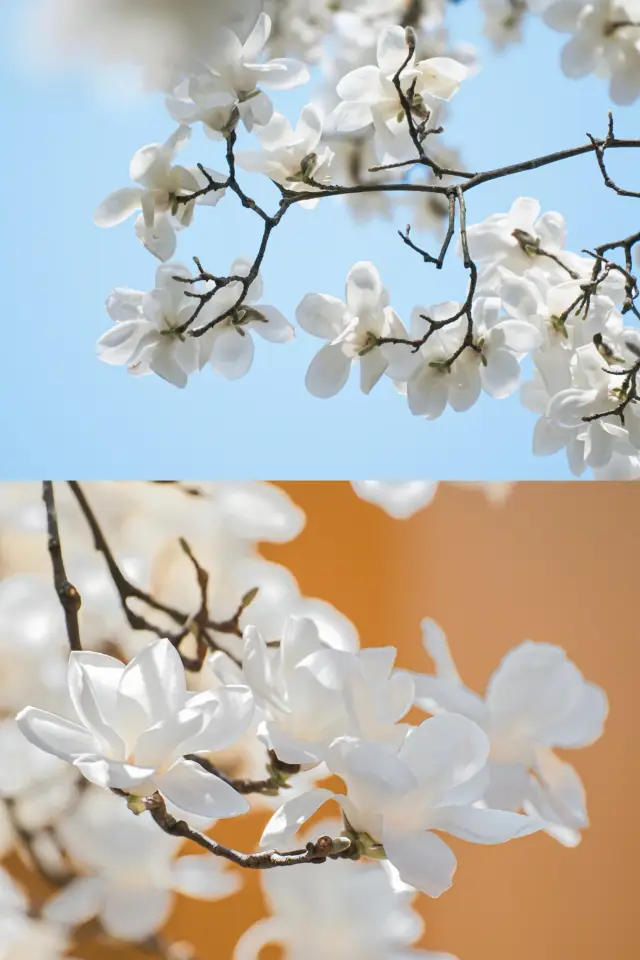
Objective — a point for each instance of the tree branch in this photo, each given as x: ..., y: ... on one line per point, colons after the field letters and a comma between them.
x: 68, y: 595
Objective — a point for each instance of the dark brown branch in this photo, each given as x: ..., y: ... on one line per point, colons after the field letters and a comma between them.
x: 128, y: 591
x: 279, y: 774
x: 318, y: 852
x: 68, y: 595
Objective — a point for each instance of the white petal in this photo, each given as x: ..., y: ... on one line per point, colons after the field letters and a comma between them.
x: 479, y: 825
x: 445, y: 751
x: 283, y: 825
x: 115, y: 774
x: 228, y: 715
x: 392, y: 50
x: 153, y: 685
x: 93, y: 683
x: 372, y: 367
x: 328, y: 371
x: 160, y: 239
x: 548, y: 438
x: 118, y: 206
x: 158, y: 745
x: 364, y: 289
x: 516, y: 335
x: 232, y: 353
x: 52, y: 734
x: 256, y: 665
x: 428, y: 392
x: 321, y: 315
x: 362, y: 85
x: 563, y: 788
x: 203, y: 877
x: 78, y: 902
x: 135, y: 914
x: 277, y: 329
x: 120, y: 344
x: 423, y: 860
x: 437, y: 695
x: 501, y: 376
x: 435, y: 643
x: 191, y: 788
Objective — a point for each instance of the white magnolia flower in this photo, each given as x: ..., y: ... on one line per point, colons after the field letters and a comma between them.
x: 536, y: 700
x: 605, y: 41
x: 137, y: 722
x: 520, y: 239
x: 166, y: 38
x: 552, y: 306
x: 352, y: 329
x: 591, y: 392
x: 229, y: 346
x: 129, y: 871
x: 394, y: 802
x: 492, y: 364
x: 291, y: 156
x: 354, y: 909
x: 400, y: 499
x: 144, y: 337
x: 369, y: 96
x: 234, y: 74
x: 161, y: 184
x: 23, y: 937
x: 312, y: 693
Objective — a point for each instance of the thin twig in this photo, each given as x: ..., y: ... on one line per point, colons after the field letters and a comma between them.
x: 68, y: 595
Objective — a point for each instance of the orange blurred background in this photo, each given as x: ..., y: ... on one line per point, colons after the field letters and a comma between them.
x: 554, y: 563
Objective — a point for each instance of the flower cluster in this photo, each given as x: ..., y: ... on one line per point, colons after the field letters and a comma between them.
x: 136, y: 739
x: 366, y: 137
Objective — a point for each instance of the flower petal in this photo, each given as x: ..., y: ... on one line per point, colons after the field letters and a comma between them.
x: 444, y: 752
x: 118, y: 206
x: 191, y: 788
x: 134, y: 914
x: 423, y: 860
x: 203, y: 877
x: 52, y: 734
x: 479, y: 825
x: 328, y: 371
x: 321, y: 315
x: 292, y: 815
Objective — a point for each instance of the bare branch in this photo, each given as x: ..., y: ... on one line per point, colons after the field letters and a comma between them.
x: 68, y: 595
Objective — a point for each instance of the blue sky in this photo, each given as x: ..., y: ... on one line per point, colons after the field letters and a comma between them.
x: 66, y: 414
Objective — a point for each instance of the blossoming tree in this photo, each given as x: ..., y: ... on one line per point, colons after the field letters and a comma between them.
x: 154, y: 655
x: 380, y: 75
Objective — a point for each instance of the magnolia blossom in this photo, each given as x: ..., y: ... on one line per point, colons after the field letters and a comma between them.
x: 147, y: 335
x: 369, y: 95
x: 492, y: 364
x: 158, y: 196
x: 355, y: 910
x: 163, y: 37
x: 399, y: 499
x: 394, y: 802
x: 519, y: 240
x: 291, y: 156
x: 230, y: 83
x: 129, y: 871
x: 536, y: 700
x: 137, y: 722
x: 22, y: 936
x: 312, y: 693
x: 352, y: 329
x: 592, y: 391
x: 403, y: 499
x: 228, y: 346
x: 605, y: 41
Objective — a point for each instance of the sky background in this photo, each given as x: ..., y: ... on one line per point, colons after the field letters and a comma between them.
x: 64, y: 413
